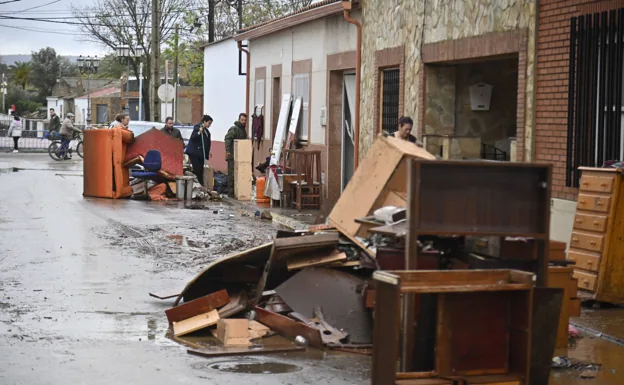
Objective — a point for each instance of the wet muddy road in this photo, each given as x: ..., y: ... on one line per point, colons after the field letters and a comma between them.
x: 75, y: 275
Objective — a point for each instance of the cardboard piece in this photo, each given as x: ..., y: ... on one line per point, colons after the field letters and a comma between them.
x: 382, y: 173
x: 195, y: 323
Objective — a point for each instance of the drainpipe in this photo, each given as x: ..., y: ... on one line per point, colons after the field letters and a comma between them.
x: 240, y: 47
x: 347, y: 5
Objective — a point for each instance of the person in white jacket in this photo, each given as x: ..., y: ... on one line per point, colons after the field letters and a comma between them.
x: 15, y: 131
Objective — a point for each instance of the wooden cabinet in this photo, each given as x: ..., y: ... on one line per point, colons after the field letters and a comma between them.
x: 597, y: 240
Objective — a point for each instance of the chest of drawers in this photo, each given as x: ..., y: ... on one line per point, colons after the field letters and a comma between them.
x: 597, y: 240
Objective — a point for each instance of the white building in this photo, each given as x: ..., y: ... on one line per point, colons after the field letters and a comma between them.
x: 310, y: 54
x: 224, y: 93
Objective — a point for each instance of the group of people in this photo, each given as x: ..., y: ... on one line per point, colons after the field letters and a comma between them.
x: 66, y: 130
x: 200, y: 143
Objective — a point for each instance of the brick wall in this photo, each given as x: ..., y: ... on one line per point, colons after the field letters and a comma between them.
x: 551, y: 107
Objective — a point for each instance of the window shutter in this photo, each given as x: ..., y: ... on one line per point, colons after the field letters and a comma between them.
x: 302, y: 90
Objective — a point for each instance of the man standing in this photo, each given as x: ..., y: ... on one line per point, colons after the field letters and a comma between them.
x: 198, y: 148
x: 237, y: 131
x: 55, y: 122
x: 172, y: 131
x: 67, y: 133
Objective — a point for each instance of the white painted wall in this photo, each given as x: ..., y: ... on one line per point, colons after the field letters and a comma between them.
x: 80, y: 110
x: 313, y: 40
x: 224, y: 89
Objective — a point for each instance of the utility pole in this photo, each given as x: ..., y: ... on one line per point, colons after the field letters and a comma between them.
x: 141, y: 91
x: 155, y: 60
x: 175, y: 72
x: 211, y: 22
x: 239, y: 10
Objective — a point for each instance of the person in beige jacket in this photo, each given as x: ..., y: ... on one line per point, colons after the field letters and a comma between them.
x: 67, y: 133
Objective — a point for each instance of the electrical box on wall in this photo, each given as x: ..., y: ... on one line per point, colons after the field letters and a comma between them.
x: 324, y: 116
x: 480, y: 97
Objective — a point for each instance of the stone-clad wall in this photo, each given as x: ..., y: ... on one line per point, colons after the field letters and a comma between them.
x: 394, y: 23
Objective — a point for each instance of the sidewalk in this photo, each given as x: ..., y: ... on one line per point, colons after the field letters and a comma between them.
x: 289, y: 218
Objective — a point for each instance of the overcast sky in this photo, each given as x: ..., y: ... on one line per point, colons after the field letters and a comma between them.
x: 25, y: 36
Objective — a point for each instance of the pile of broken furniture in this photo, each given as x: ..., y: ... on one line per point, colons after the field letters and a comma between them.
x: 413, y: 293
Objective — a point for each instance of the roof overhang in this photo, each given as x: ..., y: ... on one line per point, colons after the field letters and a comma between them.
x: 279, y: 24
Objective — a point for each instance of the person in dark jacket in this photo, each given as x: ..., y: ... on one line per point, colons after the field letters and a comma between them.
x: 172, y: 131
x: 198, y: 148
x: 405, y: 128
x: 237, y: 131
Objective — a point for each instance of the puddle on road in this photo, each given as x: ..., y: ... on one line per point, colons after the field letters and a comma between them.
x: 255, y: 367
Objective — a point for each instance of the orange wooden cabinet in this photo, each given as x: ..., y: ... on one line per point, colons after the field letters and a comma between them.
x: 104, y: 173
x: 597, y: 241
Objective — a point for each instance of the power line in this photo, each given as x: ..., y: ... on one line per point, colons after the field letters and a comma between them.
x: 9, y: 1
x: 58, y: 32
x: 39, y: 6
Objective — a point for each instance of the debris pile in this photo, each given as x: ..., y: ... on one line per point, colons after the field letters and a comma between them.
x: 307, y: 286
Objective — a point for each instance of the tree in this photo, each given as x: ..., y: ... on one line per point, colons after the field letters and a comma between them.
x: 47, y: 67
x: 21, y: 73
x: 225, y: 21
x: 110, y: 67
x: 114, y: 23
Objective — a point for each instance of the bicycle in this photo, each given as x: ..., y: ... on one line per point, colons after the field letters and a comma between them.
x: 54, y: 149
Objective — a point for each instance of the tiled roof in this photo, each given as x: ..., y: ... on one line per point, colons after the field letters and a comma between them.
x: 299, y: 11
x: 102, y: 92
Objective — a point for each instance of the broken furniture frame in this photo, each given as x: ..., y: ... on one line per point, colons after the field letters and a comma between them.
x: 477, y: 198
x: 483, y: 324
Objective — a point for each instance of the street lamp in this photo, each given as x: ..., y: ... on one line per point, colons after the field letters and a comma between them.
x: 88, y: 65
x: 126, y: 55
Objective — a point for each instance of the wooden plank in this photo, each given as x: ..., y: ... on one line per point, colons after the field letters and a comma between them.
x: 492, y: 380
x: 198, y: 306
x: 233, y: 332
x: 425, y: 381
x: 366, y: 185
x: 386, y: 333
x: 245, y: 352
x: 243, y: 176
x: 195, y: 323
x: 316, y: 260
x: 286, y: 327
x: 281, y: 130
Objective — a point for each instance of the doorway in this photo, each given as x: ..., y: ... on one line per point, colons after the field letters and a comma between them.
x: 348, y: 114
x: 276, y: 99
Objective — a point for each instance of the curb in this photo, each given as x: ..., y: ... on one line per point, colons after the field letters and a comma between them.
x: 279, y: 219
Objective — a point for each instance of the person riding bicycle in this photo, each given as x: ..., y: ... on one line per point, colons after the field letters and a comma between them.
x: 67, y: 134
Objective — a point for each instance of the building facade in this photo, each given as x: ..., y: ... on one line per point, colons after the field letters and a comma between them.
x: 423, y: 60
x: 310, y: 54
x: 571, y: 90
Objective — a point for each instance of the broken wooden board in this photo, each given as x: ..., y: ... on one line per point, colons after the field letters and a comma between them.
x: 337, y: 293
x: 281, y: 130
x: 492, y: 380
x: 195, y: 323
x: 233, y: 332
x: 245, y: 352
x: 198, y: 306
x: 276, y: 272
x: 288, y: 328
x: 210, y: 278
x: 424, y: 381
x: 238, y: 303
x: 382, y: 171
x: 345, y: 264
x: 257, y: 330
x: 316, y: 259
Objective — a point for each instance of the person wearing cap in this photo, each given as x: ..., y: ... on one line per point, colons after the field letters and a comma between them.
x: 67, y: 133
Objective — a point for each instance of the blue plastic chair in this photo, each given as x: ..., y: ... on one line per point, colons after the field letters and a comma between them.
x: 152, y: 164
